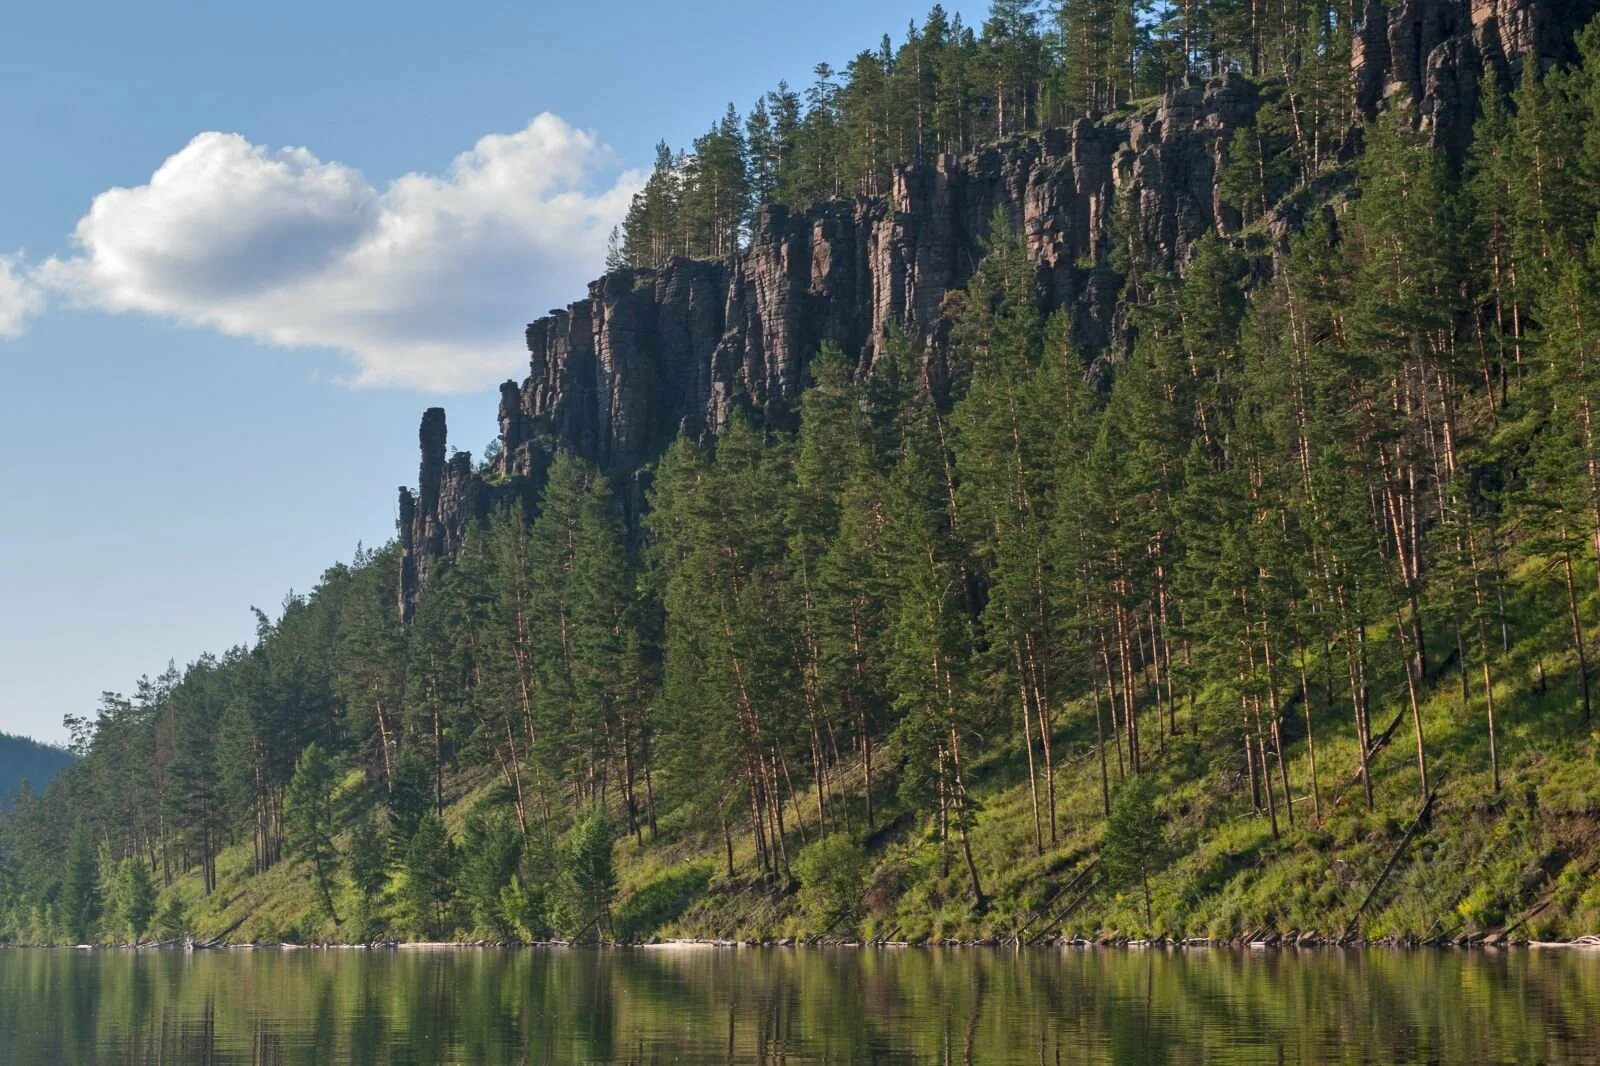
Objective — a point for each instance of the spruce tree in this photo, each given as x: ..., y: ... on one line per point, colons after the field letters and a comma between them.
x: 138, y: 903
x: 1132, y: 848
x: 367, y: 869
x: 591, y: 876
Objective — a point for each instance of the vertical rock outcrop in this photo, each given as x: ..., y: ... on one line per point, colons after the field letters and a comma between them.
x: 650, y: 354
x: 451, y: 495
x: 653, y: 353
x: 1434, y: 53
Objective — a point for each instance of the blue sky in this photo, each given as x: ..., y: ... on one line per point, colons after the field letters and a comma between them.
x: 241, y: 248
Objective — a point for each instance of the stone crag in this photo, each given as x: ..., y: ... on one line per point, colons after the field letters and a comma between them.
x: 1436, y: 52
x: 651, y: 353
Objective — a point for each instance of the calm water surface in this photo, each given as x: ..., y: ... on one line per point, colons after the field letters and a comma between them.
x: 798, y: 1006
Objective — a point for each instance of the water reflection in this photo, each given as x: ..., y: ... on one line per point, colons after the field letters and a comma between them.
x: 797, y: 1006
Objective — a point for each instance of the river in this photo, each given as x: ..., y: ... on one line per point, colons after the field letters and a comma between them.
x: 798, y: 1005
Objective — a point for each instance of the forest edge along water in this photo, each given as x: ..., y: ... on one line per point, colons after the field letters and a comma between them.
x: 977, y: 505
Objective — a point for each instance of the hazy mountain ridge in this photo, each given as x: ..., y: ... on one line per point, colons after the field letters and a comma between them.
x: 24, y: 759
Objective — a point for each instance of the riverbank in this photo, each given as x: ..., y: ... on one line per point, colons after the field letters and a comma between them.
x: 1474, y: 866
x: 1253, y: 942
x: 1482, y: 869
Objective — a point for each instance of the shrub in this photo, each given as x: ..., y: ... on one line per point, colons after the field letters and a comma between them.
x: 833, y: 876
x: 590, y: 878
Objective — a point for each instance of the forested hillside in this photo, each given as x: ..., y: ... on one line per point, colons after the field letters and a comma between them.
x: 1270, y: 605
x: 27, y: 761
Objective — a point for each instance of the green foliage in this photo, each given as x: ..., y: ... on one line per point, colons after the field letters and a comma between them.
x: 410, y: 794
x: 171, y: 922
x: 368, y: 858
x: 832, y: 873
x: 1133, y: 846
x: 430, y: 871
x: 367, y: 867
x: 590, y: 878
x: 308, y: 810
x: 136, y: 904
x: 949, y: 87
x: 80, y: 887
x: 490, y: 855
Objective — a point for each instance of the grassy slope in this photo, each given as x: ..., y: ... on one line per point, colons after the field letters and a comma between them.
x: 1482, y: 862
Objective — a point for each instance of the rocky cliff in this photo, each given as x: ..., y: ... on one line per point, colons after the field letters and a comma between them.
x: 1435, y: 53
x: 652, y: 353
x: 649, y: 354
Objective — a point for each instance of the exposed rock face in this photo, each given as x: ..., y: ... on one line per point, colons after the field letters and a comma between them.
x: 450, y: 496
x: 653, y: 353
x: 1434, y: 52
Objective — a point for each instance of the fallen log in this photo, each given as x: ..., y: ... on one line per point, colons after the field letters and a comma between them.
x: 1077, y: 901
x: 1389, y: 866
x: 1047, y: 904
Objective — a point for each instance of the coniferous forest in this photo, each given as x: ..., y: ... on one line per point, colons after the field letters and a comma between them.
x: 1280, y: 615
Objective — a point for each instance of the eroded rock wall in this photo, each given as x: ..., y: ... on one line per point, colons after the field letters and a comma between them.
x: 1435, y: 52
x: 649, y: 354
x: 652, y: 353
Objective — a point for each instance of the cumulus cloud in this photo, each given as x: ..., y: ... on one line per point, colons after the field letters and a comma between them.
x: 423, y: 283
x: 20, y: 297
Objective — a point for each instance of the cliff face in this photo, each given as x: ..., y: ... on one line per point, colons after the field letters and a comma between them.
x: 1436, y: 52
x: 653, y: 353
x: 649, y: 354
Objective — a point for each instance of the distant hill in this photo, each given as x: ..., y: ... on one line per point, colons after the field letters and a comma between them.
x: 23, y: 759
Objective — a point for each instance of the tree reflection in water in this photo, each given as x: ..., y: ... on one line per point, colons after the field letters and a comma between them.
x: 797, y: 1006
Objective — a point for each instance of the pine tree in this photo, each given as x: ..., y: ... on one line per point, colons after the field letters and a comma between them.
x: 1001, y: 454
x: 1011, y: 39
x: 930, y: 638
x: 651, y: 234
x: 430, y: 870
x: 309, y: 810
x: 80, y: 887
x: 715, y: 202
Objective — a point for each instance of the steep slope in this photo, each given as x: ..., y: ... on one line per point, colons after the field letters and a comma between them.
x: 651, y: 353
x: 1436, y: 53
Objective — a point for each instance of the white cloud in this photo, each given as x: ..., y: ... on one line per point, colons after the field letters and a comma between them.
x: 20, y: 298
x: 424, y: 283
